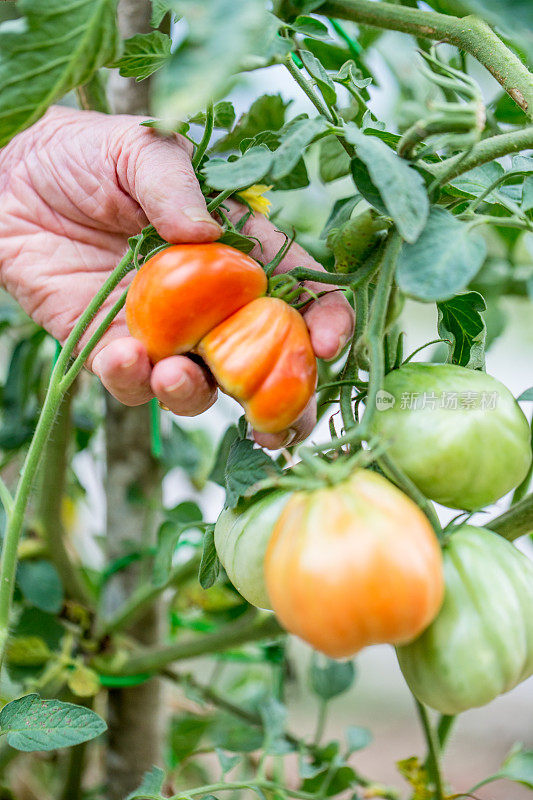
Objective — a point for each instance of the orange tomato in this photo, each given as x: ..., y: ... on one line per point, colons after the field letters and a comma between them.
x: 262, y: 356
x: 354, y: 564
x: 207, y: 298
x: 183, y: 292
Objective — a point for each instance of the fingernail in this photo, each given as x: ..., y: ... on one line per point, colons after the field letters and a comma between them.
x: 198, y: 214
x: 178, y: 385
x: 129, y: 362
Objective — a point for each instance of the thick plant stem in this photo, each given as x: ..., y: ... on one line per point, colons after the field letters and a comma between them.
x: 239, y: 632
x: 483, y: 152
x: 48, y: 511
x: 470, y: 34
x: 515, y: 522
x: 59, y: 384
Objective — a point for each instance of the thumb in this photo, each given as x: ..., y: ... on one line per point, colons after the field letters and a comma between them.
x: 157, y: 172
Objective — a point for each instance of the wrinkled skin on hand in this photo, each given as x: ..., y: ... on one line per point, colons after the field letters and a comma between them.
x: 74, y: 187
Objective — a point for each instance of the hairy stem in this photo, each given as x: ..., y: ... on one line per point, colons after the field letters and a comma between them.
x: 469, y: 34
x: 433, y: 751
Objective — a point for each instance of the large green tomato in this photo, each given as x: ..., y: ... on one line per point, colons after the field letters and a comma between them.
x: 458, y: 433
x: 241, y: 539
x: 481, y: 643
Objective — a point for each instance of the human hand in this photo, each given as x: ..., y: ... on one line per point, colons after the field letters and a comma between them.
x: 74, y: 187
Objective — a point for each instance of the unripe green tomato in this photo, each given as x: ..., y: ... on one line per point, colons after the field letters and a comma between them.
x: 355, y: 240
x: 241, y: 539
x: 457, y: 433
x: 481, y: 643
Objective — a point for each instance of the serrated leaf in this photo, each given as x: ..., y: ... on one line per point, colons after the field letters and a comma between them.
x: 41, y: 585
x: 33, y: 724
x: 321, y: 77
x: 444, y: 259
x: 220, y: 34
x: 241, y: 173
x: 210, y: 563
x: 246, y: 466
x: 53, y: 48
x: 151, y: 784
x: 398, y: 186
x: 144, y: 54
x: 27, y: 651
x: 460, y: 320
x: 357, y: 738
x: 293, y: 144
x: 330, y: 678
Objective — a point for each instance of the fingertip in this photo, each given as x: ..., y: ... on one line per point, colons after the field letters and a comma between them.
x: 183, y: 386
x: 124, y: 369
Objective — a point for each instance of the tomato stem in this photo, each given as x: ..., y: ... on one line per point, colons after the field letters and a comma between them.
x: 206, y: 138
x: 60, y: 382
x: 433, y: 751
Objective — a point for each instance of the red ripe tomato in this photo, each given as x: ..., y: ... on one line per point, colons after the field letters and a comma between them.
x: 180, y: 294
x: 207, y: 298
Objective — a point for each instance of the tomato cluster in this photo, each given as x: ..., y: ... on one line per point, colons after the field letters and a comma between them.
x: 209, y: 299
x: 356, y: 562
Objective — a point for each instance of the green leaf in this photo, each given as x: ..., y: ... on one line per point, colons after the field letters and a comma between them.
x: 210, y: 564
x: 444, y: 259
x: 321, y: 77
x: 518, y: 767
x: 144, y: 54
x: 293, y: 144
x: 309, y: 26
x: 186, y: 732
x: 218, y: 473
x: 296, y: 179
x: 334, y: 160
x: 527, y: 395
x: 357, y: 738
x: 227, y: 763
x: 398, y: 186
x: 27, y: 651
x: 340, y: 213
x: 246, y: 466
x: 237, y: 240
x: 241, y: 173
x: 182, y: 518
x: 527, y: 194
x: 160, y: 8
x: 152, y: 783
x: 33, y: 724
x: 460, y: 320
x: 223, y: 115
x: 191, y: 450
x: 330, y: 678
x: 41, y: 585
x: 274, y: 716
x: 220, y: 34
x: 267, y: 113
x: 476, y: 181
x: 56, y: 46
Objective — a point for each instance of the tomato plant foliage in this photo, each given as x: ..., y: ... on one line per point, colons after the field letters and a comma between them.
x: 404, y: 184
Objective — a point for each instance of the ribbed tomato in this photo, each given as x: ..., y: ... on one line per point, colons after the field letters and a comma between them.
x: 241, y: 539
x: 352, y: 565
x: 180, y: 294
x: 262, y: 356
x: 458, y: 433
x: 207, y: 299
x: 481, y: 643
